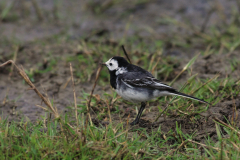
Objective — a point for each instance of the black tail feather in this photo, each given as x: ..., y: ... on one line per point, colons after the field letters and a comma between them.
x: 187, y: 96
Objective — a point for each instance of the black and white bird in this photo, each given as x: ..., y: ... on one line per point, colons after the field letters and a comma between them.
x: 136, y: 85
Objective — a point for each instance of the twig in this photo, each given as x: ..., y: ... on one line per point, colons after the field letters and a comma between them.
x: 74, y: 94
x: 89, y: 101
x: 125, y: 52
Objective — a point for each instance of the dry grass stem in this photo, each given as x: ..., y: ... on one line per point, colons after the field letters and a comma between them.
x: 154, y: 67
x: 109, y: 114
x: 225, y: 124
x: 28, y: 81
x: 95, y: 83
x: 235, y: 146
x: 65, y: 85
x: 180, y: 146
x: 42, y: 107
x: 235, y: 113
x: 74, y: 94
x: 210, y: 80
x: 151, y: 62
x: 119, y: 135
x: 127, y: 126
x: 14, y: 59
x: 6, y: 97
x: 204, y: 145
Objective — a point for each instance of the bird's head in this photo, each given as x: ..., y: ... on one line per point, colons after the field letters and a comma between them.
x: 115, y: 63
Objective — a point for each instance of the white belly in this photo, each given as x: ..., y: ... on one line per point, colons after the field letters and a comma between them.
x: 133, y: 95
x: 140, y: 94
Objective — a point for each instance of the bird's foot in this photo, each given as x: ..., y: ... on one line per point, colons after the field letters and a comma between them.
x: 134, y: 122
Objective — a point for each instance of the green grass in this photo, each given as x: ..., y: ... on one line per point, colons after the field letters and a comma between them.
x: 47, y: 140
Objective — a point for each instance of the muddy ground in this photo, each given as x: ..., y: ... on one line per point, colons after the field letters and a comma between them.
x: 84, y: 21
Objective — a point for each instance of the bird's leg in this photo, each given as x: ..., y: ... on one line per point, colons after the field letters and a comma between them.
x: 136, y: 121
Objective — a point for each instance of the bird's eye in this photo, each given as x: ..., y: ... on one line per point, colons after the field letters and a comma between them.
x: 110, y: 64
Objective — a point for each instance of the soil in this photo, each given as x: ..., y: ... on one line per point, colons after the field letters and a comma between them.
x: 78, y: 19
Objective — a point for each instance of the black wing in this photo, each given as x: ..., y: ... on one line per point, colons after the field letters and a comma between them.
x: 153, y: 83
x: 148, y: 82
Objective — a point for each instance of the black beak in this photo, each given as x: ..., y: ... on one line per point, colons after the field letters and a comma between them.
x: 104, y: 64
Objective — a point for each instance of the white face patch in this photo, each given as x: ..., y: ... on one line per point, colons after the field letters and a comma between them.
x: 112, y: 64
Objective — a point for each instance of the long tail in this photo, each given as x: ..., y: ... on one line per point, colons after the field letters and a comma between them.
x: 187, y: 96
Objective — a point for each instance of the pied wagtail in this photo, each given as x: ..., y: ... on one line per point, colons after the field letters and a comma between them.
x: 136, y: 85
